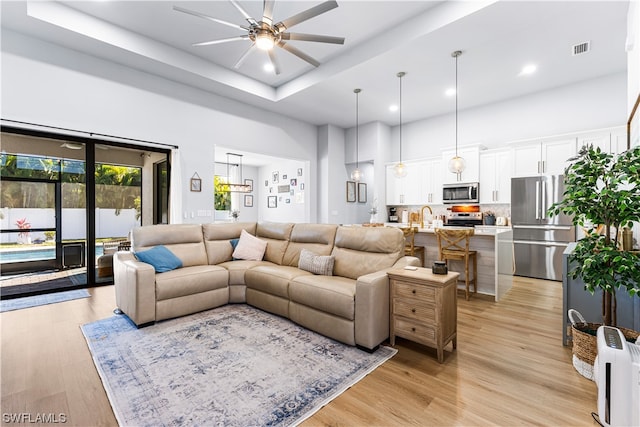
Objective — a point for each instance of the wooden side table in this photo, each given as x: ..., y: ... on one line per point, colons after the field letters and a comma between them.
x: 424, y: 307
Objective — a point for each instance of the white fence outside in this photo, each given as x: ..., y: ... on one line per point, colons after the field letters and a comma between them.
x: 108, y: 224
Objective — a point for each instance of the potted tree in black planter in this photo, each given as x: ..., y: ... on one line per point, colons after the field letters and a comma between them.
x: 602, y: 193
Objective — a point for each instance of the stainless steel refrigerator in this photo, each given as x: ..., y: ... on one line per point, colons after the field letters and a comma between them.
x: 539, y: 240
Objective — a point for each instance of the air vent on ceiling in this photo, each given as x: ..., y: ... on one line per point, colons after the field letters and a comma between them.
x: 580, y: 48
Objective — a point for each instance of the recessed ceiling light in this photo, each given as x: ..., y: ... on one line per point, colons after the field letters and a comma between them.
x: 393, y: 108
x: 528, y: 69
x: 450, y: 92
x: 268, y: 67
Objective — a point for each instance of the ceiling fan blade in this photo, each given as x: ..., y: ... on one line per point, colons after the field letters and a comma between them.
x: 210, y: 18
x: 312, y: 38
x: 299, y: 53
x: 230, y: 39
x: 267, y: 11
x: 307, y: 14
x: 274, y: 61
x: 244, y: 56
x: 243, y: 12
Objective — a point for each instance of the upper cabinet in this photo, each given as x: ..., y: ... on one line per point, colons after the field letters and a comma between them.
x: 547, y: 157
x: 495, y: 176
x: 471, y: 172
x: 422, y: 185
x: 610, y: 141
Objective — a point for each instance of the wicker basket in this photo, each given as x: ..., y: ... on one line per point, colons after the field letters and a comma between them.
x: 585, y: 344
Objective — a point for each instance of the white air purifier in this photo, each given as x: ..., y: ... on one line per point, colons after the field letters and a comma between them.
x: 617, y: 374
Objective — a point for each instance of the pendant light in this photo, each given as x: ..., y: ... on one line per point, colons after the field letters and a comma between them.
x: 356, y: 175
x: 400, y: 170
x: 239, y: 187
x: 456, y: 164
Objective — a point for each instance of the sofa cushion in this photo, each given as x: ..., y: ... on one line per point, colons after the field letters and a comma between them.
x: 276, y: 234
x: 363, y: 250
x: 184, y: 240
x: 190, y: 280
x: 218, y: 235
x: 330, y: 294
x: 238, y: 268
x: 249, y: 247
x: 161, y: 258
x: 317, y: 238
x: 272, y: 279
x: 316, y: 264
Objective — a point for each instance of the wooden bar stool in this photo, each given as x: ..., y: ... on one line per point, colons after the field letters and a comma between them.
x: 454, y: 245
x: 410, y: 248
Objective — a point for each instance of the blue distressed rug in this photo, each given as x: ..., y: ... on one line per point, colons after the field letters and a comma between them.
x: 27, y: 302
x: 231, y: 366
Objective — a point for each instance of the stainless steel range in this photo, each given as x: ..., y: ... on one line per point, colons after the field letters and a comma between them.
x: 464, y: 216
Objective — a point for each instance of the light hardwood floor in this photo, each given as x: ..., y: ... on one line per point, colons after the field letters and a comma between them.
x: 509, y: 369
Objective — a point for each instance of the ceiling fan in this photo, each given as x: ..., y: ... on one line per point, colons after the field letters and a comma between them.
x: 265, y: 35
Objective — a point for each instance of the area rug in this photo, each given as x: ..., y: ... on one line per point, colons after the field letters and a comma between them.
x: 230, y: 366
x: 27, y: 302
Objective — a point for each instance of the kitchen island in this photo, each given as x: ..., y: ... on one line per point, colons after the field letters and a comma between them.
x: 494, y: 246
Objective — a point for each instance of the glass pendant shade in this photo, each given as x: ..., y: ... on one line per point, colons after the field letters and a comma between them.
x: 356, y: 175
x: 456, y: 164
x: 400, y: 170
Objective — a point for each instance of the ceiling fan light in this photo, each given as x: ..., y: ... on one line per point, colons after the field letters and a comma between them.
x: 356, y: 175
x: 400, y: 170
x: 456, y: 164
x: 264, y: 40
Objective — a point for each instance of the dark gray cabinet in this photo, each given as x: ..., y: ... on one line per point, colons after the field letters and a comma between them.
x: 590, y: 306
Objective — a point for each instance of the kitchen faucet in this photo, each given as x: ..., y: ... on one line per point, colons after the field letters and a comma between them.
x: 422, y: 214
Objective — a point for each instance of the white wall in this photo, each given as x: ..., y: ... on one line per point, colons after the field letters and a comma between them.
x: 593, y: 104
x: 46, y: 84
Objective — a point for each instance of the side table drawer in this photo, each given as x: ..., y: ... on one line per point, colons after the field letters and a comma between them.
x: 415, y: 331
x: 410, y: 308
x: 407, y: 290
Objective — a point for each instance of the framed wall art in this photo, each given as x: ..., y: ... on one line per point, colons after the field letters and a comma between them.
x: 249, y: 182
x: 195, y: 183
x: 351, y: 191
x: 362, y: 192
x: 272, y: 201
x: 248, y: 200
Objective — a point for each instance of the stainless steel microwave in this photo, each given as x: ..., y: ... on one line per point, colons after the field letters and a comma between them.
x: 460, y: 193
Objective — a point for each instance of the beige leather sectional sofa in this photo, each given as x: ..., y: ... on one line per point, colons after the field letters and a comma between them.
x: 351, y: 306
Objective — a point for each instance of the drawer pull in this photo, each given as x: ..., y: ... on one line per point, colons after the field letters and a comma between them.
x: 413, y: 291
x: 413, y: 310
x: 413, y: 329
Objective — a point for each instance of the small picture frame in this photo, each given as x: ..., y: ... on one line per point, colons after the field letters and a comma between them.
x: 287, y: 201
x: 293, y: 182
x: 362, y: 192
x: 299, y: 171
x: 266, y: 182
x: 249, y: 182
x: 195, y: 184
x: 275, y: 177
x: 284, y: 177
x: 302, y: 186
x: 248, y: 200
x: 351, y: 191
x: 272, y: 201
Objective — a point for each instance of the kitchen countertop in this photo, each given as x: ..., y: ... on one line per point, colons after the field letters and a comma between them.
x: 480, y: 230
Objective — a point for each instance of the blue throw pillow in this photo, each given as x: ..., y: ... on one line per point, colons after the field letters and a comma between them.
x: 234, y: 243
x: 161, y: 258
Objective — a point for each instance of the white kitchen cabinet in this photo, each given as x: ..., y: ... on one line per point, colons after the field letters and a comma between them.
x: 547, y: 157
x: 610, y: 141
x: 471, y: 172
x: 495, y: 176
x: 433, y: 182
x: 407, y: 190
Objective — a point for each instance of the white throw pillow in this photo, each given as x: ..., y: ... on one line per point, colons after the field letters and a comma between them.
x: 316, y: 264
x: 249, y: 247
